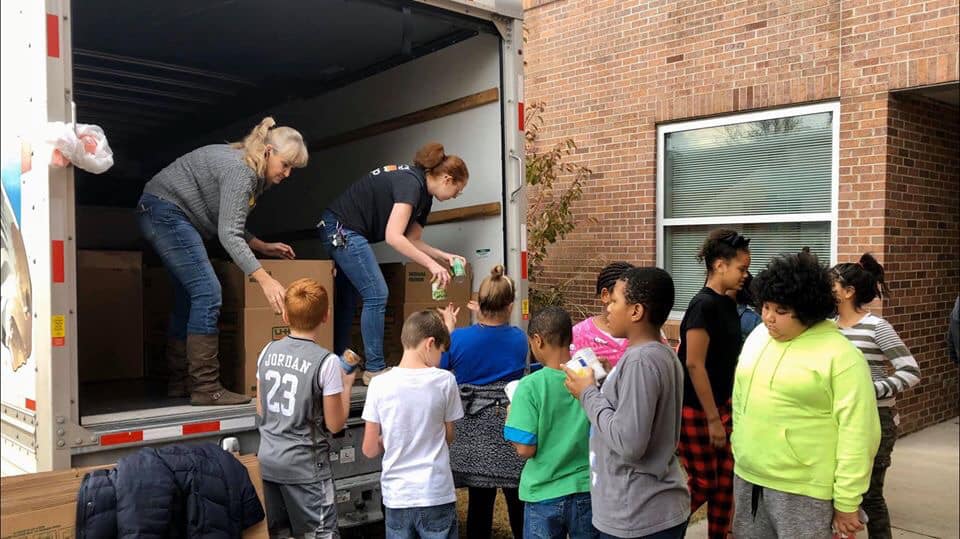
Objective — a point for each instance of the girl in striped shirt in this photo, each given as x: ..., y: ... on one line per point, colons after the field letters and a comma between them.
x: 855, y: 286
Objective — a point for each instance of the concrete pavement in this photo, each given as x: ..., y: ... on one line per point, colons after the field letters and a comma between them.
x: 922, y: 486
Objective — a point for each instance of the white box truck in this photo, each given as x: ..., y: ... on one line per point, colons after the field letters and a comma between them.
x: 366, y: 81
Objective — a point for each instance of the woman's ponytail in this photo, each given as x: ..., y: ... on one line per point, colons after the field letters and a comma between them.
x: 286, y: 140
x: 496, y: 292
x: 429, y: 156
x: 865, y: 276
x: 432, y: 158
x: 871, y: 266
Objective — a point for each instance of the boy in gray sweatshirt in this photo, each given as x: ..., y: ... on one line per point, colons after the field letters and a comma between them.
x: 637, y: 488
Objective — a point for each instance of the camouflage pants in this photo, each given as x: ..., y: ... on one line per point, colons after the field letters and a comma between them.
x: 873, y: 503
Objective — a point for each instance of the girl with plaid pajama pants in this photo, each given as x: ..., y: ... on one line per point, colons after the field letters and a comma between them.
x: 709, y: 345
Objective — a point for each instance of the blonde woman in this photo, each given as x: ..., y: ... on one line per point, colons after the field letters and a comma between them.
x: 208, y: 193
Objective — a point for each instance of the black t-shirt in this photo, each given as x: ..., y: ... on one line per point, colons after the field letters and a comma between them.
x: 366, y: 205
x: 717, y: 314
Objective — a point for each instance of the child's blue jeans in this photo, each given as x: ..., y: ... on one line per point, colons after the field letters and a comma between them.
x: 434, y: 522
x: 558, y: 518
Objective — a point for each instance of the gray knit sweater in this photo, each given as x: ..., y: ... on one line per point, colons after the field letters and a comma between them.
x: 216, y: 190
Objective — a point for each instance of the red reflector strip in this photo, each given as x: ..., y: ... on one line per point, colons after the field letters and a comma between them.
x: 523, y: 264
x: 57, y: 261
x: 122, y: 438
x: 31, y: 404
x: 53, y: 36
x: 521, y: 120
x: 198, y: 428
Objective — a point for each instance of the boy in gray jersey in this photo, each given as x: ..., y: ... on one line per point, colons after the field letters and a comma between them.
x: 300, y: 390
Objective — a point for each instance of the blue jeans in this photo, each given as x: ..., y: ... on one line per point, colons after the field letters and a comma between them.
x: 435, y: 522
x: 196, y: 289
x: 357, y: 272
x: 559, y: 517
x: 676, y: 532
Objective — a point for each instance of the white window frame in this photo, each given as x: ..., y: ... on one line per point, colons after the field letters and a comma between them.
x: 831, y: 216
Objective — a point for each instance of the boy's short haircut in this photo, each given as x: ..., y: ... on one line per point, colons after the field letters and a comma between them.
x: 553, y: 325
x: 652, y: 288
x: 423, y: 325
x: 306, y: 302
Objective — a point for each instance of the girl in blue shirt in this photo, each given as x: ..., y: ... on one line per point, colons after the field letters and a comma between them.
x: 484, y: 357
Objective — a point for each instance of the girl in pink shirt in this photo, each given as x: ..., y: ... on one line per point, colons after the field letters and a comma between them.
x: 594, y: 331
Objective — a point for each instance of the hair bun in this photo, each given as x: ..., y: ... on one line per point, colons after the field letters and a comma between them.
x: 497, y: 271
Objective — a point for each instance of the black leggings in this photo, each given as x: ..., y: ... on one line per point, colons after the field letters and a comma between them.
x: 480, y: 512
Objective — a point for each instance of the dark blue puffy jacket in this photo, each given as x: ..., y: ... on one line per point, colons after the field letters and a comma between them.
x: 173, y: 491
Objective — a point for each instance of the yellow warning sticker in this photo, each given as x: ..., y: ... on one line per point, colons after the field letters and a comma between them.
x: 58, y: 329
x: 525, y: 307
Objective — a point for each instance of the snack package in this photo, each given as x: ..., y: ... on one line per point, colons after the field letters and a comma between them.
x: 510, y: 388
x: 585, y: 358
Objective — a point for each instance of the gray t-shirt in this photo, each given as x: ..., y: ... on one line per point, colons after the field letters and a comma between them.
x: 637, y: 485
x: 294, y: 375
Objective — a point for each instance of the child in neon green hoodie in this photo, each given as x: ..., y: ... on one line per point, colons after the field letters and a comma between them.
x: 804, y: 412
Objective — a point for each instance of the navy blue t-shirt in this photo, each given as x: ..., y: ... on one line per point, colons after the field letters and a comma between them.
x: 482, y: 354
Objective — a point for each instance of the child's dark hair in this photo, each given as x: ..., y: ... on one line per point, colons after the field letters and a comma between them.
x: 553, y: 325
x: 744, y: 296
x: 496, y: 292
x: 866, y: 278
x: 722, y: 244
x: 799, y: 282
x: 423, y: 325
x: 610, y: 274
x: 652, y: 288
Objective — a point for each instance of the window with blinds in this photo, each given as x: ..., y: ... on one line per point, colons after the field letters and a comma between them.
x: 768, y: 175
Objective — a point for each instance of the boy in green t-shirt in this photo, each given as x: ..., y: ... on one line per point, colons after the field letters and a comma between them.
x: 549, y: 428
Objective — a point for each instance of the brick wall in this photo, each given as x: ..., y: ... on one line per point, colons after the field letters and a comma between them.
x: 884, y: 46
x: 922, y: 235
x: 610, y: 70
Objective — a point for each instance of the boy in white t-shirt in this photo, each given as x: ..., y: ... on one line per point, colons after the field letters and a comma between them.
x: 410, y: 412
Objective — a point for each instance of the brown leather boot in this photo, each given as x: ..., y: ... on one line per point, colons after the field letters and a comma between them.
x: 178, y: 383
x: 204, y: 365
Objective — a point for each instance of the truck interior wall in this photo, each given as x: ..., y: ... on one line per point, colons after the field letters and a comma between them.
x: 463, y: 69
x: 460, y: 70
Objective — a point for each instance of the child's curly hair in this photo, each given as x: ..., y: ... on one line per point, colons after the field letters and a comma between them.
x: 799, y: 282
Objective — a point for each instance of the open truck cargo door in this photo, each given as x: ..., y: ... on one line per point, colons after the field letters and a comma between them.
x: 39, y: 381
x: 151, y: 81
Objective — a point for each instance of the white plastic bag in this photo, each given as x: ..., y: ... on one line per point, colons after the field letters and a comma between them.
x: 86, y: 147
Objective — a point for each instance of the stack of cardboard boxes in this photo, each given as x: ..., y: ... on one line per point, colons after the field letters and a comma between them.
x: 44, y: 505
x: 110, y: 325
x: 411, y: 291
x: 126, y: 308
x: 248, y: 322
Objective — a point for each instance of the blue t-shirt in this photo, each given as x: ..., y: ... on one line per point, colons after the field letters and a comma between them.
x: 482, y: 354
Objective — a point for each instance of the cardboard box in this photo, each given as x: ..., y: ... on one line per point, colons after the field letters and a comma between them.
x: 244, y: 331
x: 157, y: 306
x: 109, y: 315
x: 417, y: 288
x: 243, y: 292
x: 394, y: 317
x: 44, y: 505
x: 463, y: 317
x: 393, y: 274
x: 243, y: 336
